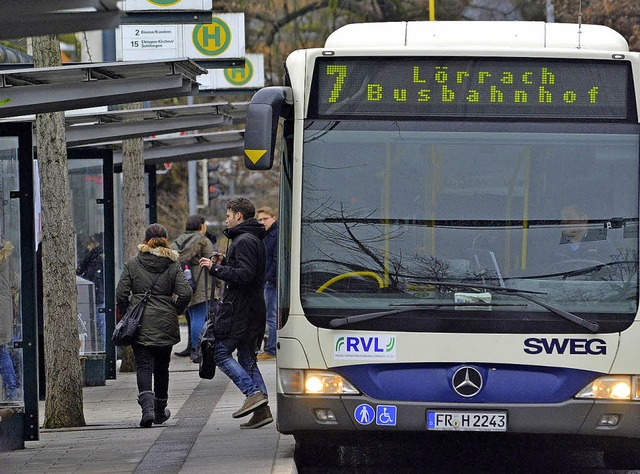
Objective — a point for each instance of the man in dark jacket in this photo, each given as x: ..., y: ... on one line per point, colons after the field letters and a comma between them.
x: 267, y: 217
x: 239, y: 324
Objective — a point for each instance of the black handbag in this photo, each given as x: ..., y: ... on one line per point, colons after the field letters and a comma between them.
x: 206, y: 345
x: 126, y: 330
x: 207, y: 364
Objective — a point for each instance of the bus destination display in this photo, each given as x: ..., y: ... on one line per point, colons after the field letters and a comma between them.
x: 470, y: 87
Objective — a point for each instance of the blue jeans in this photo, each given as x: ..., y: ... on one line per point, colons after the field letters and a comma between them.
x: 243, y: 372
x: 197, y: 315
x: 8, y: 374
x: 271, y: 301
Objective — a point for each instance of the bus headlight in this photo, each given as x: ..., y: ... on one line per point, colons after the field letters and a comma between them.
x: 315, y: 382
x: 612, y: 387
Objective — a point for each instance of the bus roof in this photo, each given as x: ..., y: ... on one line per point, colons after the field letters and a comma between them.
x: 477, y: 34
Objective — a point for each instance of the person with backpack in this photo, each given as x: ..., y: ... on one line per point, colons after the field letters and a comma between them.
x: 191, y: 247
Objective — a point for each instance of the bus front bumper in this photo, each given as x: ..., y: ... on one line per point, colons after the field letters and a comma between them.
x: 308, y: 414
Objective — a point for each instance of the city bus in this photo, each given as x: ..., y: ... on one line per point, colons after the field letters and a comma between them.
x: 458, y: 231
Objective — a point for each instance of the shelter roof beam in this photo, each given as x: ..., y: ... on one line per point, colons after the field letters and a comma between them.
x: 100, y: 133
x: 52, y: 98
x: 24, y: 18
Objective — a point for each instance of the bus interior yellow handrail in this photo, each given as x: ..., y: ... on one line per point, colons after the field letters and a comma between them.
x: 337, y: 278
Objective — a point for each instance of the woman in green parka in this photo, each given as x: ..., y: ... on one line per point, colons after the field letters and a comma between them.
x: 159, y: 330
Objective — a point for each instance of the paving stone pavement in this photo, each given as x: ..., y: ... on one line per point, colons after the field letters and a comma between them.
x: 200, y: 437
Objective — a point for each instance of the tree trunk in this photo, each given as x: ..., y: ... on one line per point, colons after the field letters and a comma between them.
x: 134, y: 211
x: 63, y: 405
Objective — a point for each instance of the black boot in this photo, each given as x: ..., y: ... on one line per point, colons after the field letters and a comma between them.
x: 184, y: 353
x: 195, y: 356
x: 145, y: 400
x: 160, y: 410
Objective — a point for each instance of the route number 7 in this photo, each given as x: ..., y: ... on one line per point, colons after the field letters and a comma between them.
x: 340, y: 72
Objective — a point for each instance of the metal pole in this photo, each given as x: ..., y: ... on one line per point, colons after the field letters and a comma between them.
x: 193, y: 179
x: 550, y: 15
x: 432, y: 10
x: 193, y: 188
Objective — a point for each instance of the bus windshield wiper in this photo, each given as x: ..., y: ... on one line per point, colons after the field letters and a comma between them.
x: 525, y: 294
x: 356, y: 318
x: 481, y: 286
x: 581, y: 271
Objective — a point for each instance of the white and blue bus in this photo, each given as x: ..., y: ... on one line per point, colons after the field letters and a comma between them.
x: 458, y: 230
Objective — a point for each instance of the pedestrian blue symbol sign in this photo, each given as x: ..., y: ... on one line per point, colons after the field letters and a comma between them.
x: 386, y: 415
x: 364, y: 414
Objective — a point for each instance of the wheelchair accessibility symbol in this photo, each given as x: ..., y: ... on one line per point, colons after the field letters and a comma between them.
x: 386, y: 415
x: 364, y: 414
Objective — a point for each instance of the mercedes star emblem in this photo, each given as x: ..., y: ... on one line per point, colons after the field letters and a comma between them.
x: 467, y: 381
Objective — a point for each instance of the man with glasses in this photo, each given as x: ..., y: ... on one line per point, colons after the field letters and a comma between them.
x: 267, y: 217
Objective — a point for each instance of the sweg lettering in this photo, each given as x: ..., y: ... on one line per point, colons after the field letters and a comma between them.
x: 574, y: 346
x: 484, y: 86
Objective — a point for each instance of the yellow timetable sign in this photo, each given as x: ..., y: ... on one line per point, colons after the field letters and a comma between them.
x: 239, y: 76
x: 222, y: 38
x: 249, y: 76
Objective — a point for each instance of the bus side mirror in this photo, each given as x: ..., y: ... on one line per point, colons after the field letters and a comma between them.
x: 263, y: 115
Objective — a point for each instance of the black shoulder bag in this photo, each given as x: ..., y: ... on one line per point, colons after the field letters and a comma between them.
x: 126, y: 330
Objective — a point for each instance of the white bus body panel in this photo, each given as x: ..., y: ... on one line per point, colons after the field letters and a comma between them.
x: 479, y: 348
x: 476, y: 34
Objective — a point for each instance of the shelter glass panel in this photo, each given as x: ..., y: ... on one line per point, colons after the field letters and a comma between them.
x: 11, y: 356
x: 86, y: 178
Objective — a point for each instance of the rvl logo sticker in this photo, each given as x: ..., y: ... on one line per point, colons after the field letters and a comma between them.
x: 373, y: 347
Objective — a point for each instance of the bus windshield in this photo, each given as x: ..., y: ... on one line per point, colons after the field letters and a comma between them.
x: 392, y: 211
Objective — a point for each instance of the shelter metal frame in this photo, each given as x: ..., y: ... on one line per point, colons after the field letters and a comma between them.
x: 24, y: 18
x: 140, y: 123
x: 41, y: 90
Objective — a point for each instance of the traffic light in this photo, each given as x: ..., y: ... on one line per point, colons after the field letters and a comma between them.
x: 213, y: 179
x: 212, y: 172
x: 214, y: 191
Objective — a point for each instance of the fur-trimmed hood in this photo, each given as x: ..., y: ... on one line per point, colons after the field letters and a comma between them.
x: 6, y: 250
x: 159, y: 252
x: 191, y: 246
x: 158, y: 259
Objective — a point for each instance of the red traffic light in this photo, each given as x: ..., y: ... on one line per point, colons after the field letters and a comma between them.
x: 213, y: 192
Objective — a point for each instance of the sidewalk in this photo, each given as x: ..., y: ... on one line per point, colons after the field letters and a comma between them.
x: 201, y: 435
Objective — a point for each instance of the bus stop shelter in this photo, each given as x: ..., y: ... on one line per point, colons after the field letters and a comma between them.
x: 26, y: 91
